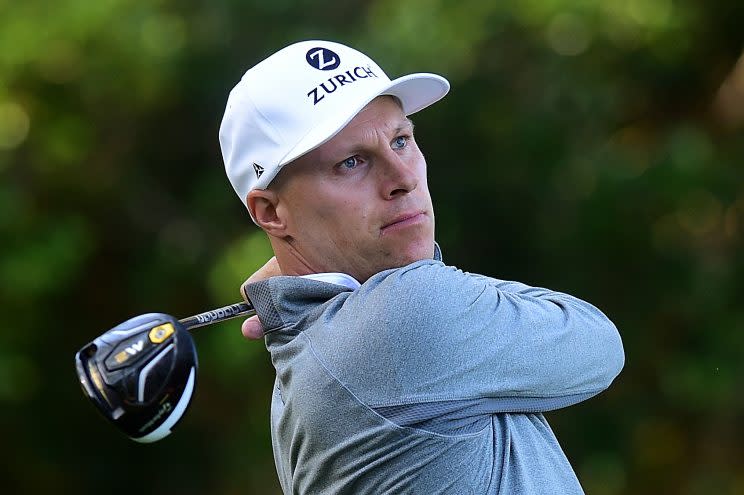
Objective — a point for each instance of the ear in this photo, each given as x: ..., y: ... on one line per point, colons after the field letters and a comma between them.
x: 263, y: 205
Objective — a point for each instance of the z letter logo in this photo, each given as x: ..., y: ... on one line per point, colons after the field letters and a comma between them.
x: 258, y: 169
x: 322, y: 58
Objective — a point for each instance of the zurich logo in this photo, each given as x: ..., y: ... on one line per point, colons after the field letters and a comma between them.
x: 322, y: 58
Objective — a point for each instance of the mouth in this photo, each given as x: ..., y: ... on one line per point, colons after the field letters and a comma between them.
x: 402, y: 221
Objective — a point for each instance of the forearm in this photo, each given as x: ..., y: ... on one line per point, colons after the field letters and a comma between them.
x: 559, y: 345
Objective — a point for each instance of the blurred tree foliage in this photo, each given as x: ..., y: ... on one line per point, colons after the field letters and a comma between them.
x: 591, y: 147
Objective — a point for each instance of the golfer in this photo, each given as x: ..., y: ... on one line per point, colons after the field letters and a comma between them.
x: 395, y: 372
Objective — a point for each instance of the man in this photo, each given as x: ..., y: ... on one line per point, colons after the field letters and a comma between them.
x: 396, y: 373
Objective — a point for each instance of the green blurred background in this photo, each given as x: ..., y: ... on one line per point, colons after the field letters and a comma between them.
x: 598, y: 147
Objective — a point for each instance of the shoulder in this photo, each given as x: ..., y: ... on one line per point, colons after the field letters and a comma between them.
x: 425, y: 277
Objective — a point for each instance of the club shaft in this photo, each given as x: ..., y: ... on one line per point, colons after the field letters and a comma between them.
x: 219, y: 314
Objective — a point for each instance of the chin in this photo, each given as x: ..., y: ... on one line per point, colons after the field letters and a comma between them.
x: 420, y: 250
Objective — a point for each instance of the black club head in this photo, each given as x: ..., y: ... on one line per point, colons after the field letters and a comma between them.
x: 140, y: 374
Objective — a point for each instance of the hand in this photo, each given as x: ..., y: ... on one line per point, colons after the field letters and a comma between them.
x: 252, y: 328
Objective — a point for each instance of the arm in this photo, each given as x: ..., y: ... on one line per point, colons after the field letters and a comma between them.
x: 438, y: 334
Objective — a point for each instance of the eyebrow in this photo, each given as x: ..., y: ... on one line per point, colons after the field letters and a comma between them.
x: 407, y: 124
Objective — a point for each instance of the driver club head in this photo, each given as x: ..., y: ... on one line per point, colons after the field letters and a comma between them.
x: 140, y: 374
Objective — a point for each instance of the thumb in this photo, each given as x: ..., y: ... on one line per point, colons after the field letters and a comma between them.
x: 252, y: 328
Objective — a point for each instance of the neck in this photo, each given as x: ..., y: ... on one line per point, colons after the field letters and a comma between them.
x: 290, y: 260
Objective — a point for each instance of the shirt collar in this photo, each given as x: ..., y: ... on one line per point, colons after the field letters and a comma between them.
x: 335, y: 278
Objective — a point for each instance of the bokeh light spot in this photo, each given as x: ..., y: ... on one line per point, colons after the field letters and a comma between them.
x: 568, y: 35
x: 650, y: 12
x: 242, y: 257
x: 60, y: 63
x: 14, y: 125
x: 729, y: 101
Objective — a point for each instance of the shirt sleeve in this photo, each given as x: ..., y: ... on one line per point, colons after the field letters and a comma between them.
x: 430, y: 332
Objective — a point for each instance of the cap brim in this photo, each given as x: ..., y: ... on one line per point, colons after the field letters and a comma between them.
x: 415, y: 91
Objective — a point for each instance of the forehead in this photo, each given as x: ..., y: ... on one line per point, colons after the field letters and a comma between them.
x: 383, y: 111
x: 382, y: 117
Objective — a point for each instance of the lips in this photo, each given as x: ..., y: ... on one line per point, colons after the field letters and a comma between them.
x: 403, y: 220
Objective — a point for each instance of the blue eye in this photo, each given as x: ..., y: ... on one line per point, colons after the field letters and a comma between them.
x: 350, y: 162
x: 400, y: 142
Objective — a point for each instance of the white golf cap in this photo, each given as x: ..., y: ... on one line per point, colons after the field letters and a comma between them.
x: 299, y: 98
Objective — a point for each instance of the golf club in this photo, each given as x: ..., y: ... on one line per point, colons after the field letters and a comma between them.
x: 141, y: 374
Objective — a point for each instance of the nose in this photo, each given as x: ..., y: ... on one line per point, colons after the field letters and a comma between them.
x: 398, y: 175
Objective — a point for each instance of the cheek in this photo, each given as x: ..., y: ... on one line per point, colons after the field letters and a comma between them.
x: 419, y: 165
x: 423, y: 184
x: 348, y: 215
x: 332, y: 216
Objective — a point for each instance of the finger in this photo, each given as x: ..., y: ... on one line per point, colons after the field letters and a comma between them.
x: 252, y: 328
x: 269, y: 269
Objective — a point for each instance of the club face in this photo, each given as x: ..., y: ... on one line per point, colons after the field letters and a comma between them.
x: 140, y: 374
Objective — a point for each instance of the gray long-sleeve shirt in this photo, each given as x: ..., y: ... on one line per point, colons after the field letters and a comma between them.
x: 427, y: 380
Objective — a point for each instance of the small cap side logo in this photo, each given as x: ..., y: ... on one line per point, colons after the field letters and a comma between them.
x: 322, y: 58
x: 258, y: 169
